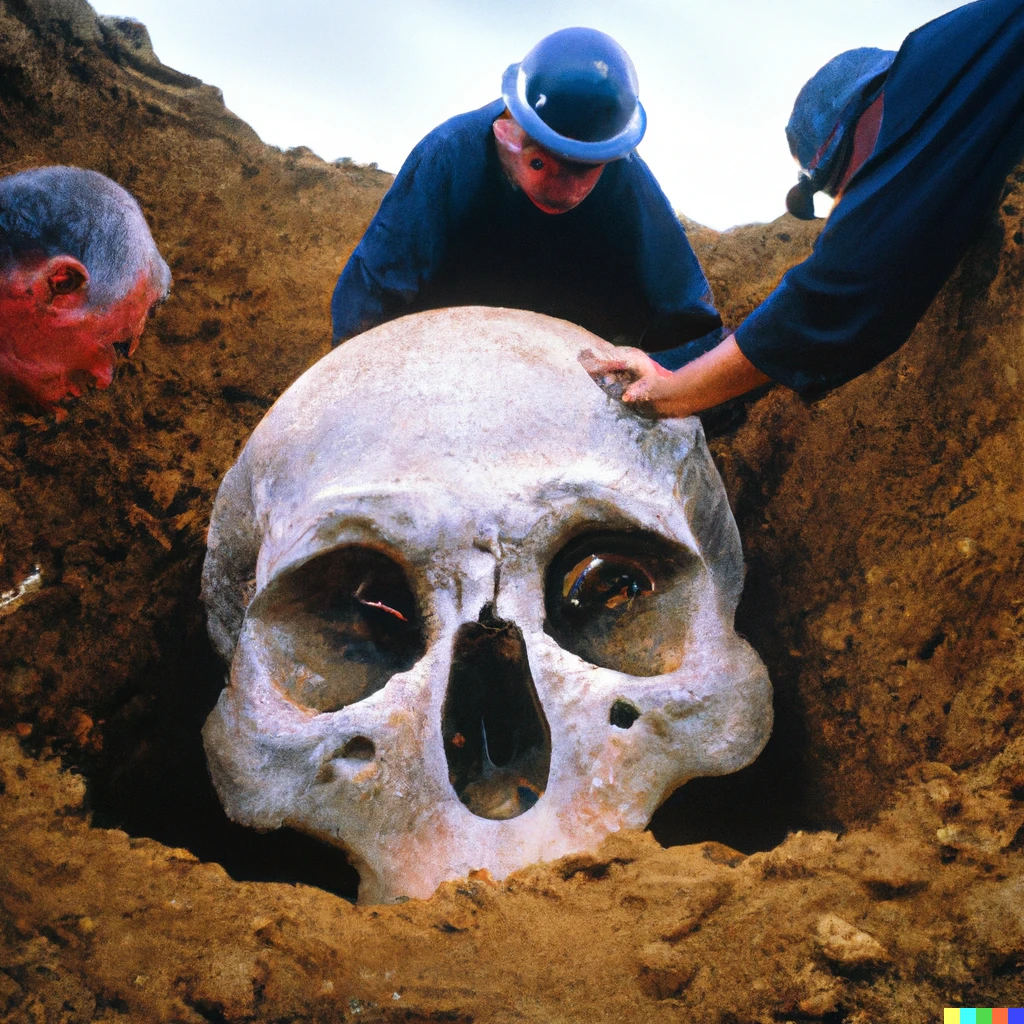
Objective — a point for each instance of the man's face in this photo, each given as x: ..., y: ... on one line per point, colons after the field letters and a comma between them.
x: 53, y: 344
x: 553, y: 185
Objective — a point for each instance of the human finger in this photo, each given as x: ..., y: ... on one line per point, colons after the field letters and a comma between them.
x: 638, y: 391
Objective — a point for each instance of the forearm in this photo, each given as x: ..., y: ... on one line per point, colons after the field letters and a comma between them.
x: 713, y: 378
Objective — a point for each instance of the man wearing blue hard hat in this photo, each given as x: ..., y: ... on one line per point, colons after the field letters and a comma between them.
x: 915, y: 147
x: 536, y: 201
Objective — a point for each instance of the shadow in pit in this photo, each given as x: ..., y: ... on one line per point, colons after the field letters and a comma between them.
x: 752, y: 809
x: 757, y: 807
x: 151, y: 778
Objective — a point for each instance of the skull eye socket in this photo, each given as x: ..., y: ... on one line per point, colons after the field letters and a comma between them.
x: 622, y: 601
x: 341, y: 626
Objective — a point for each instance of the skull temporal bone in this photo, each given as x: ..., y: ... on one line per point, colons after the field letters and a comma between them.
x: 477, y: 613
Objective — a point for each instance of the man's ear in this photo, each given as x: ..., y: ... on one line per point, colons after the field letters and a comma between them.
x: 67, y: 282
x: 509, y: 134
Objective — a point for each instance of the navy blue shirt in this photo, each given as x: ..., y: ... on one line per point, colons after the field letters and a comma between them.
x: 454, y: 231
x: 952, y: 130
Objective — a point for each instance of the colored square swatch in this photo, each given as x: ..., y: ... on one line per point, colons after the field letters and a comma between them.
x: 981, y: 1015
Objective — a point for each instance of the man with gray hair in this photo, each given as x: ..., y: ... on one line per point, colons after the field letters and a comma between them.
x: 79, y: 276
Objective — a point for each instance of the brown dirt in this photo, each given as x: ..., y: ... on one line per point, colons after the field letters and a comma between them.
x: 883, y: 528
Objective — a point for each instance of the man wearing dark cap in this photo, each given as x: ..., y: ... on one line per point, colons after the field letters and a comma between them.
x: 536, y: 201
x: 915, y: 147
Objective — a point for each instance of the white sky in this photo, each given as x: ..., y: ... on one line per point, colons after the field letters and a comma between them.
x: 368, y: 78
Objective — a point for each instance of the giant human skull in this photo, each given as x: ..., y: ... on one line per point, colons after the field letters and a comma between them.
x: 478, y: 614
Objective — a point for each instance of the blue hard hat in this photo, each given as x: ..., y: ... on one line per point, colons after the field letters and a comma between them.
x: 575, y: 93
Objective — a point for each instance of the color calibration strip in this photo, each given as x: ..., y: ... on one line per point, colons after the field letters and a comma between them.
x: 1006, y: 1015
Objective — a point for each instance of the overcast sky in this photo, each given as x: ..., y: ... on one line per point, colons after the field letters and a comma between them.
x: 368, y: 79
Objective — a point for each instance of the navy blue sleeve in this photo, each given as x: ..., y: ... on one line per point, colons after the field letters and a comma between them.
x: 407, y: 239
x: 952, y: 129
x: 674, y: 283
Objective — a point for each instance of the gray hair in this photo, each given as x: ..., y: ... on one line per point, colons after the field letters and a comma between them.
x: 57, y: 211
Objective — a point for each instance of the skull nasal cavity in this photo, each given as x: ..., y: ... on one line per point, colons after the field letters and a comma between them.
x: 496, y: 736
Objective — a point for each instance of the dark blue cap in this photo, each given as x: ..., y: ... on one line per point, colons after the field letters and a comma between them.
x: 827, y: 106
x: 575, y: 93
